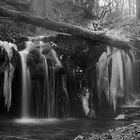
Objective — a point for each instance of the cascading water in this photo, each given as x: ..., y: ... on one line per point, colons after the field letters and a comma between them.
x: 39, y: 81
x: 52, y: 91
x: 117, y: 78
x: 49, y: 90
x: 43, y: 90
x: 120, y: 84
x: 26, y: 85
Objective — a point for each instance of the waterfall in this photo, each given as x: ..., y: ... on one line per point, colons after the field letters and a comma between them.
x: 120, y: 87
x: 26, y: 85
x: 26, y: 81
x: 129, y: 78
x: 39, y: 81
x: 49, y: 91
x: 52, y: 88
x: 117, y: 78
x: 44, y: 88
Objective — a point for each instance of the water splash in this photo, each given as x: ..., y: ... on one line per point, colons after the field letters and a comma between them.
x: 36, y: 121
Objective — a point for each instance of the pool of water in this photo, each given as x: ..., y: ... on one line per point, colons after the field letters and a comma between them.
x: 53, y: 129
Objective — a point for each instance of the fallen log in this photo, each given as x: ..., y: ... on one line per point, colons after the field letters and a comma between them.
x: 65, y: 28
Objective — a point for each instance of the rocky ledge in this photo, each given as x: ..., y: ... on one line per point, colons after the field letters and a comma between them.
x: 130, y: 132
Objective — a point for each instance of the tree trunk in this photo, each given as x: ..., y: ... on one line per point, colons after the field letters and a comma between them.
x: 39, y: 8
x: 65, y: 28
x: 138, y: 9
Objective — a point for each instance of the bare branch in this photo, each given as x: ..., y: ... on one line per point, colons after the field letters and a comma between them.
x: 105, y: 8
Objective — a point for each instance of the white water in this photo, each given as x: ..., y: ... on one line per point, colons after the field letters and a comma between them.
x: 117, y: 78
x: 49, y: 90
x: 50, y: 80
x: 36, y: 121
x: 52, y: 92
x: 26, y: 85
x: 39, y: 94
x: 123, y: 84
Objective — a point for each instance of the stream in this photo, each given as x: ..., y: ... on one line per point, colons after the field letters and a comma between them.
x: 54, y: 129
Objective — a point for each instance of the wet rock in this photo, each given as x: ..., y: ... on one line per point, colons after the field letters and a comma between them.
x: 79, y: 137
x: 130, y: 132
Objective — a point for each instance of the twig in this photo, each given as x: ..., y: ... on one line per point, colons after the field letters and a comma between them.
x: 105, y: 7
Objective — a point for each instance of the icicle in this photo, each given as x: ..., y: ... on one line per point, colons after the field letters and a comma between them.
x: 8, y: 73
x: 8, y: 77
x: 6, y: 86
